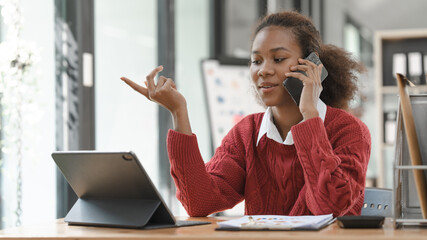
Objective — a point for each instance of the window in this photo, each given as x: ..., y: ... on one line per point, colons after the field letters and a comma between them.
x: 126, y: 46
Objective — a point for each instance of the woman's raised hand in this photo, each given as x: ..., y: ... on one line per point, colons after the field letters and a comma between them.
x: 163, y: 93
x: 312, y: 86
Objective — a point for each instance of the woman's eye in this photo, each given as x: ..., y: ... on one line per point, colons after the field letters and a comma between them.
x: 277, y: 60
x: 256, y: 62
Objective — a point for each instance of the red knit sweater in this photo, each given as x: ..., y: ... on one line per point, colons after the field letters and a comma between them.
x: 323, y: 172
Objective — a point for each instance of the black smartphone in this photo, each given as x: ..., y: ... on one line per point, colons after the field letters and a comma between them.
x: 294, y: 86
x: 360, y: 221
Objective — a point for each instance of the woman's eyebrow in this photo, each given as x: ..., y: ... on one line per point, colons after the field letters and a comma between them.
x: 279, y: 49
x: 273, y: 50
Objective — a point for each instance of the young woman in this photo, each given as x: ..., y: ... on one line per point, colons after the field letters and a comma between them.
x: 305, y: 159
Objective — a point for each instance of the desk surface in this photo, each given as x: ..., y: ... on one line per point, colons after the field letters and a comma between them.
x: 60, y: 230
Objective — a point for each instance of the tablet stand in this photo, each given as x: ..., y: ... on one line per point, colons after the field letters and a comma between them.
x: 129, y: 213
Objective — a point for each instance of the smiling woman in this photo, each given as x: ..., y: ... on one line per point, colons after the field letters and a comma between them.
x: 305, y: 159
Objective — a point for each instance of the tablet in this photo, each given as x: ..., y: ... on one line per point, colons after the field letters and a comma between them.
x: 113, y: 190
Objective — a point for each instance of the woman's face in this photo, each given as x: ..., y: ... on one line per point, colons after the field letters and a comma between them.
x: 274, y: 51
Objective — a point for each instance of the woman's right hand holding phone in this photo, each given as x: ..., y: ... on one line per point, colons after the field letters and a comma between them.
x: 165, y: 94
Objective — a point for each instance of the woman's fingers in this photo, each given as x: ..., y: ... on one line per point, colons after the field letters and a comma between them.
x: 306, y: 71
x: 306, y: 62
x: 303, y: 68
x: 173, y: 85
x: 149, y: 83
x: 311, y: 68
x: 301, y: 76
x: 160, y: 82
x: 150, y: 78
x: 135, y: 86
x: 163, y: 92
x: 169, y: 84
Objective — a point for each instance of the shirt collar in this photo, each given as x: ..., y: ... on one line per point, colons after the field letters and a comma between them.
x: 268, y: 127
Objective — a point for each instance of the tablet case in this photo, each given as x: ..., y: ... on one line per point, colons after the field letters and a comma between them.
x: 114, y: 190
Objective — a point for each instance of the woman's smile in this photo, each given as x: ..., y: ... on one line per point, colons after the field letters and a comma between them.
x: 267, y: 87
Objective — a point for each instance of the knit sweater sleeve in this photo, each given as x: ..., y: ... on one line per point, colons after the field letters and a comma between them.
x: 334, y: 168
x: 202, y: 188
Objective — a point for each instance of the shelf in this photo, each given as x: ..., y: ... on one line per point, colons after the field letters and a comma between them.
x: 387, y: 145
x: 395, y: 90
x: 409, y: 167
x: 387, y: 97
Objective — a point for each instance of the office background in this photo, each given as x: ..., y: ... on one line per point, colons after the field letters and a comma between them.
x: 75, y: 100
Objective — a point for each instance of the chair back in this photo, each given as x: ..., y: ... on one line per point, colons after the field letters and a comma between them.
x: 378, y: 202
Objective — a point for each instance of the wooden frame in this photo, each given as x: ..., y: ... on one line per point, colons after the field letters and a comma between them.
x: 413, y: 145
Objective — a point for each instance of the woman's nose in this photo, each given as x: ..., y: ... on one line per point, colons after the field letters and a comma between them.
x: 265, y: 70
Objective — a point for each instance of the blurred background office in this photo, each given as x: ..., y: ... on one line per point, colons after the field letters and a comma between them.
x: 60, y: 63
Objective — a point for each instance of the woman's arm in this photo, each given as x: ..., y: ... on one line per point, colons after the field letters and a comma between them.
x: 201, y: 189
x: 206, y: 189
x: 334, y: 175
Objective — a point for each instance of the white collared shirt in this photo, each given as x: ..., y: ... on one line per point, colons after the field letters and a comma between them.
x: 268, y: 127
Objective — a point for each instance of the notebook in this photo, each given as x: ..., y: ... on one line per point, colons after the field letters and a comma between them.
x: 276, y: 222
x: 113, y: 190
